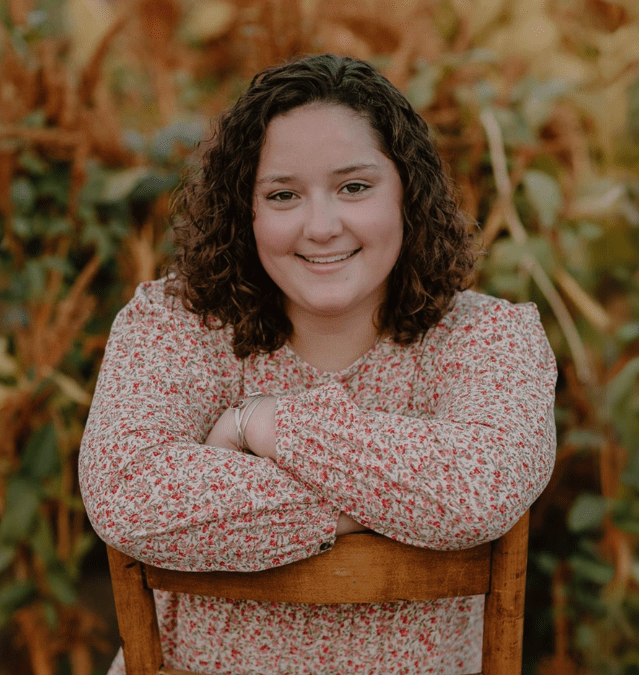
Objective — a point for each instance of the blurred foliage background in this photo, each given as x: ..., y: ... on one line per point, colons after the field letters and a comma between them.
x: 534, y: 105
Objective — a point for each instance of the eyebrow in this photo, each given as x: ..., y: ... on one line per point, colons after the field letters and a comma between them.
x: 277, y: 178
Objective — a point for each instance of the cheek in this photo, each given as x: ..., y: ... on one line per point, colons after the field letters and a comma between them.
x: 272, y: 249
x: 390, y: 231
x: 272, y: 235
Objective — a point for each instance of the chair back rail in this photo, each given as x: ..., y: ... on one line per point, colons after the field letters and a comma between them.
x: 360, y: 568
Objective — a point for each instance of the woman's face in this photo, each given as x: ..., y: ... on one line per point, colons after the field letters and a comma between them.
x: 327, y: 203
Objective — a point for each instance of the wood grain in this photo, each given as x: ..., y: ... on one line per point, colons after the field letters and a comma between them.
x: 137, y: 620
x: 504, y: 609
x: 360, y: 568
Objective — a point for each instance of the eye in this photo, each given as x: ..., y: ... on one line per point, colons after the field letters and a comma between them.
x: 355, y: 188
x: 283, y: 196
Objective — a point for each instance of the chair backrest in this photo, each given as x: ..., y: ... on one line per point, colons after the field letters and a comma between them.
x: 360, y: 568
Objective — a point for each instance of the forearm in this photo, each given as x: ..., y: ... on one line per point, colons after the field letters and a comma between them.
x: 152, y: 489
x: 189, y: 506
x: 467, y: 453
x: 431, y: 483
x: 256, y: 426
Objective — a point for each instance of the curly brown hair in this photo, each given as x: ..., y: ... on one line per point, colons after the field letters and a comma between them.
x: 216, y: 270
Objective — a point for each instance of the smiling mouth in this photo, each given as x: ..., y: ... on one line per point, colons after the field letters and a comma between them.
x: 325, y: 260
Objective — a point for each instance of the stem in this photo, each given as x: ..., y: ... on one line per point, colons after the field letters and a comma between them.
x: 518, y: 233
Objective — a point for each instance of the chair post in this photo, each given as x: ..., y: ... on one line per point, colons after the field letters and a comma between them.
x: 137, y: 618
x: 503, y: 616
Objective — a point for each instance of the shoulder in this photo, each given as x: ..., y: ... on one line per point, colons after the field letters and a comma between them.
x: 151, y: 296
x: 152, y: 309
x: 480, y: 327
x: 476, y: 312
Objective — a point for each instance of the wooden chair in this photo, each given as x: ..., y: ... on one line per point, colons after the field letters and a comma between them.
x: 360, y: 568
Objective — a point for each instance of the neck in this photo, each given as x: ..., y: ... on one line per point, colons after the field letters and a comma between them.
x: 332, y: 344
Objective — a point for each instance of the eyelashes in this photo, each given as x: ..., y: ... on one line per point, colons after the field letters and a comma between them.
x: 354, y: 188
x: 361, y: 187
x: 283, y: 196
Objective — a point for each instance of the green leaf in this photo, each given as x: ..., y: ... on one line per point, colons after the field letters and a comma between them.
x: 118, y: 185
x: 583, y: 439
x: 50, y: 614
x: 83, y: 545
x: 482, y: 55
x: 134, y: 141
x: 7, y: 554
x: 546, y: 562
x: 622, y: 403
x: 622, y: 385
x: 37, y: 118
x: 41, y: 454
x: 537, y: 110
x: 57, y: 226
x: 630, y: 475
x: 486, y: 92
x: 545, y: 195
x: 15, y: 595
x: 207, y: 20
x: 629, y: 332
x: 508, y: 285
x: 628, y: 526
x: 585, y: 636
x: 153, y: 185
x: 590, y: 569
x: 507, y: 254
x: 23, y: 195
x: 21, y: 511
x: 59, y: 264
x: 61, y: 585
x: 55, y: 184
x: 22, y: 227
x: 98, y: 236
x: 539, y: 98
x: 91, y: 190
x: 514, y: 129
x: 35, y: 278
x: 421, y: 89
x: 185, y: 132
x: 587, y: 512
x: 590, y: 231
x: 42, y: 542
x: 33, y: 163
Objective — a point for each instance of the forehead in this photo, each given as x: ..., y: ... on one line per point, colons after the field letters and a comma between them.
x: 316, y: 133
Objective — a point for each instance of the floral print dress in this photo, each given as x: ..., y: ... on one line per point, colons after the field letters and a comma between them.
x: 443, y: 444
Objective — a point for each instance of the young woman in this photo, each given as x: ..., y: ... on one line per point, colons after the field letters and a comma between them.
x: 321, y: 265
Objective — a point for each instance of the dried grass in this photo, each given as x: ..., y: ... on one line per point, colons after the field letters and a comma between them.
x: 84, y: 121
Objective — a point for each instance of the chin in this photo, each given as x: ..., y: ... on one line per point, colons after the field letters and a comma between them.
x: 327, y: 307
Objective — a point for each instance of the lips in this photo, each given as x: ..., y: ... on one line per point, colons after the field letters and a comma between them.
x: 326, y: 259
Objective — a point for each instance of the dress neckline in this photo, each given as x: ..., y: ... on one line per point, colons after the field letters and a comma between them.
x: 341, y: 375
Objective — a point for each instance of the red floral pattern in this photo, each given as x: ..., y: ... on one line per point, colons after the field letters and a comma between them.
x: 442, y: 444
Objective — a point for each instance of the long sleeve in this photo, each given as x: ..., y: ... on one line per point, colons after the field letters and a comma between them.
x: 474, y: 450
x: 150, y: 486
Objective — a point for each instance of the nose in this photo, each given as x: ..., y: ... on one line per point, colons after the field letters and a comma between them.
x: 322, y: 221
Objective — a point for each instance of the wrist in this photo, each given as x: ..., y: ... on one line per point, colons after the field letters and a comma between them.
x: 346, y: 525
x: 259, y: 433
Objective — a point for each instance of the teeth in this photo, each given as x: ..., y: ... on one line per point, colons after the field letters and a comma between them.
x: 332, y: 259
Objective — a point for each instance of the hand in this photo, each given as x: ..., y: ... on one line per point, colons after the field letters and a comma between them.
x: 224, y: 434
x: 346, y: 525
x: 259, y: 434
